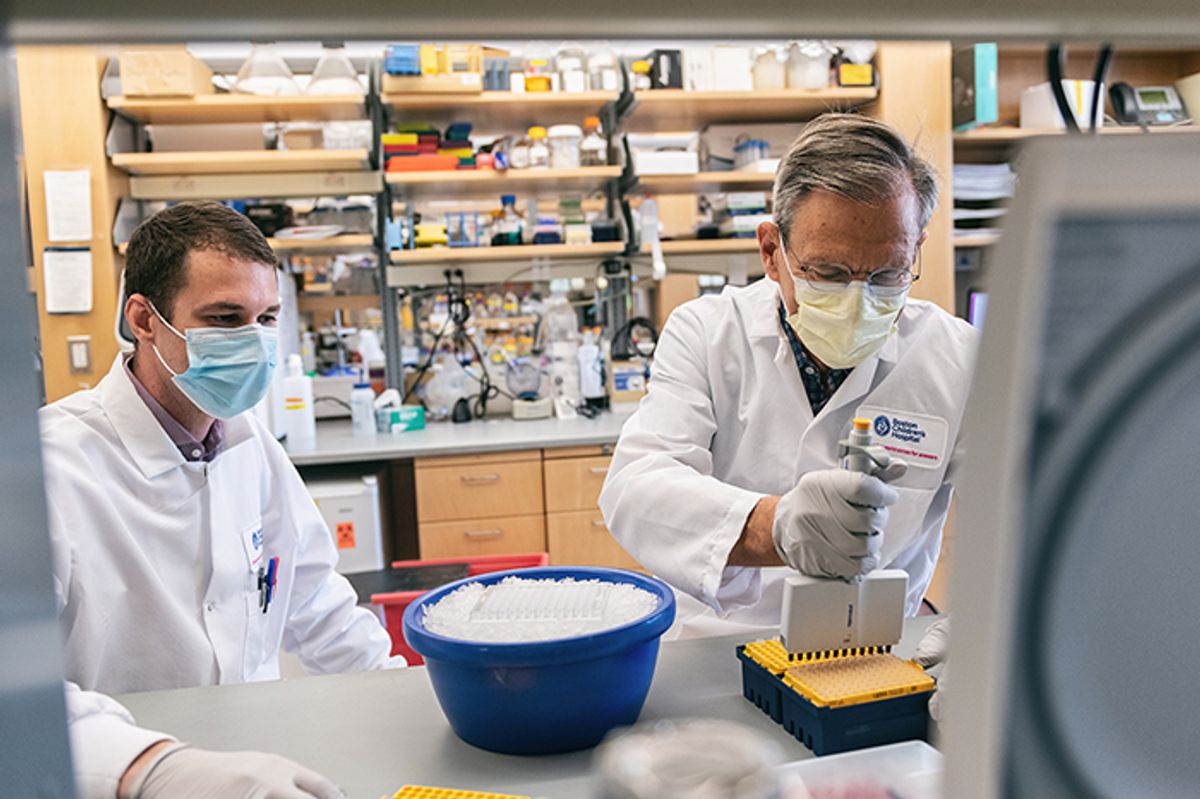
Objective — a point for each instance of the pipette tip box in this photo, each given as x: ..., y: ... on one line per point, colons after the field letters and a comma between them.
x: 854, y: 721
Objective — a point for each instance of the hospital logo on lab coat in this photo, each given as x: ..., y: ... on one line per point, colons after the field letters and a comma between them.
x: 921, y: 440
x: 882, y: 425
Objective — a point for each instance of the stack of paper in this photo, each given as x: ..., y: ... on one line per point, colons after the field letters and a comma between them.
x: 981, y: 194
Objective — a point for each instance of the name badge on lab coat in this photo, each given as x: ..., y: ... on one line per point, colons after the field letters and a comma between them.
x: 917, y: 439
x: 252, y: 539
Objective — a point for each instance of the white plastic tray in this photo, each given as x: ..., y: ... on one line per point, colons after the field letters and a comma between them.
x: 909, y: 770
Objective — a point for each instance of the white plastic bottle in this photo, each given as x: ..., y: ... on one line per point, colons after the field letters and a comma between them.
x: 299, y: 417
x: 591, y: 373
x: 362, y: 409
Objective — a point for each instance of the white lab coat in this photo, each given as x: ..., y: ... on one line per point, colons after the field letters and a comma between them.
x: 156, y: 567
x: 726, y: 421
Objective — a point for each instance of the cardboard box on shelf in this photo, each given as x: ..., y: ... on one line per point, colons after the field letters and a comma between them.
x: 163, y: 72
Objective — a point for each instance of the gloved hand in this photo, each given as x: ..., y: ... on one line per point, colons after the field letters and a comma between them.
x: 831, y: 524
x: 935, y: 644
x: 181, y: 772
x: 934, y: 649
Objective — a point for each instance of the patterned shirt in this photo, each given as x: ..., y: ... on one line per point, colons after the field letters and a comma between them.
x: 820, y: 386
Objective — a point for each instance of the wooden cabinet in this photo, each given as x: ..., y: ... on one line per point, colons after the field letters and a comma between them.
x: 449, y: 493
x: 579, y: 538
x: 481, y: 504
x: 488, y: 536
x: 574, y: 483
x: 514, y: 502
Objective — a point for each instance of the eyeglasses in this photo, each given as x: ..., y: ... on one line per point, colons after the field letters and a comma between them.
x: 833, y: 277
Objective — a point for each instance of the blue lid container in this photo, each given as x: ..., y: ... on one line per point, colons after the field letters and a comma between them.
x: 543, y: 697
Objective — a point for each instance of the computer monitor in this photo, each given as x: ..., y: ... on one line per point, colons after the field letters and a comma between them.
x: 1074, y: 591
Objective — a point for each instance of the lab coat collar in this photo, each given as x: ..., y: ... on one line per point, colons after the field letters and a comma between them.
x: 141, y: 434
x: 148, y: 444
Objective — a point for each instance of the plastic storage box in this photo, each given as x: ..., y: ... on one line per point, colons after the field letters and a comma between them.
x: 909, y: 770
x: 828, y: 730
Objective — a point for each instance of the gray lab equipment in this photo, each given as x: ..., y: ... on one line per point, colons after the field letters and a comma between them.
x: 1075, y: 586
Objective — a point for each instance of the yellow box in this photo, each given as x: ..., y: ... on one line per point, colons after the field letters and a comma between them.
x: 163, y: 72
x: 856, y: 75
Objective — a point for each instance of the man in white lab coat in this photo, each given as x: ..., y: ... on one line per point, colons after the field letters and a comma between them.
x: 187, y: 550
x: 727, y: 476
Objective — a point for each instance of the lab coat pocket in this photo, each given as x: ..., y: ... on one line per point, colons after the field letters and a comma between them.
x: 259, y: 663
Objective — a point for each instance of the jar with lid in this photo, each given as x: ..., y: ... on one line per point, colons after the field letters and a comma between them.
x: 639, y: 75
x: 539, y: 76
x: 539, y: 151
x: 603, y: 69
x: 570, y: 61
x: 564, y: 146
x: 593, y: 150
x: 770, y: 74
x: 808, y: 64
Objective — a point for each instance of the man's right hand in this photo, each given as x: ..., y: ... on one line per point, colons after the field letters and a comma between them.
x: 180, y: 772
x: 831, y: 524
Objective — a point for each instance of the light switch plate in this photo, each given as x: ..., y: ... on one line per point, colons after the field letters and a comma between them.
x: 79, y: 353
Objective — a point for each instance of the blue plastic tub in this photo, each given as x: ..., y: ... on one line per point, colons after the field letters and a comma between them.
x: 543, y: 697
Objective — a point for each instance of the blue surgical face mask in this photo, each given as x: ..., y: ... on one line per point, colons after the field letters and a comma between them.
x: 229, y: 369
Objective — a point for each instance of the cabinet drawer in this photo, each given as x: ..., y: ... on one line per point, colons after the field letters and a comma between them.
x: 559, y: 453
x: 581, y: 539
x: 492, y: 536
x: 453, y: 493
x: 574, y: 484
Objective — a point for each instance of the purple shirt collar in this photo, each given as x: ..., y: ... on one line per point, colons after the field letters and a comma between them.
x: 189, y: 447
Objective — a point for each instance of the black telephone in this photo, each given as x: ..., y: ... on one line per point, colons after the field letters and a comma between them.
x: 1147, y: 105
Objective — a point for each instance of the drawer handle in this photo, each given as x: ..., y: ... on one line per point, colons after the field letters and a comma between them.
x: 598, y: 469
x: 482, y: 534
x: 607, y: 449
x: 597, y: 522
x: 480, y: 479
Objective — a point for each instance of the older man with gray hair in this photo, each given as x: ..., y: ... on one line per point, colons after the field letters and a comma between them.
x: 727, y: 477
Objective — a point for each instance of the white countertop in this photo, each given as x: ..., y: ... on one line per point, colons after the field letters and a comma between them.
x: 336, y: 443
x: 375, y: 731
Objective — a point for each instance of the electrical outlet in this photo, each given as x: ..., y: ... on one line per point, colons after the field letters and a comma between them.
x: 79, y: 353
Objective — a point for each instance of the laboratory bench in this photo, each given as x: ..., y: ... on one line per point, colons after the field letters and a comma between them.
x: 490, y: 487
x: 374, y: 732
x: 336, y: 443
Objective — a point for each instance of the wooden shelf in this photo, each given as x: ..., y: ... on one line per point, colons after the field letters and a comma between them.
x: 706, y: 182
x: 978, y: 240
x: 254, y: 185
x: 677, y: 110
x: 1003, y: 136
x: 328, y: 303
x: 228, y: 108
x: 524, y: 252
x: 706, y: 246
x: 489, y: 182
x: 345, y: 243
x: 241, y: 161
x: 496, y: 110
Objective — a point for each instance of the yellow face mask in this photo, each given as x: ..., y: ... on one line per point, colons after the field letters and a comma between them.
x: 843, y: 325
